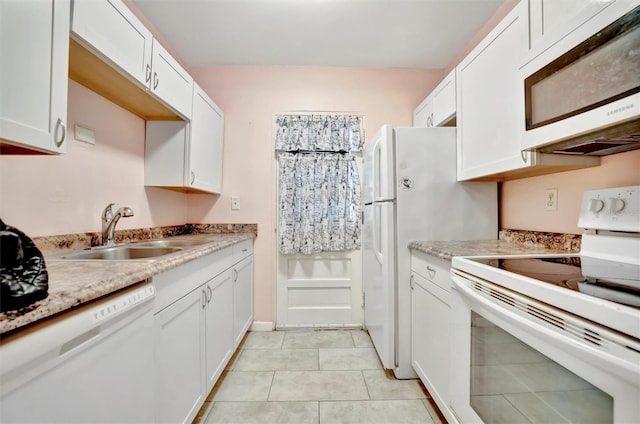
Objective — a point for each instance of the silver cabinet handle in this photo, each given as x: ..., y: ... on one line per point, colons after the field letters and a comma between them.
x: 60, y: 124
x: 412, y: 282
x: 156, y: 80
x: 193, y: 177
x: 523, y: 156
x: 432, y: 271
x: 235, y: 275
x: 148, y: 74
x: 204, y: 299
x: 209, y: 294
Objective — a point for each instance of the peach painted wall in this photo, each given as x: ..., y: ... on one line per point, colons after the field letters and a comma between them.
x: 48, y: 194
x: 523, y: 200
x: 250, y: 98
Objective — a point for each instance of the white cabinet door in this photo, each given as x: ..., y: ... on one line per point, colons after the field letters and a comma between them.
x: 490, y: 102
x: 170, y: 81
x: 109, y: 28
x: 218, y: 326
x: 423, y: 114
x: 242, y: 298
x: 179, y: 356
x: 186, y: 155
x: 550, y: 20
x: 205, y: 147
x: 430, y: 339
x: 444, y: 100
x: 33, y: 103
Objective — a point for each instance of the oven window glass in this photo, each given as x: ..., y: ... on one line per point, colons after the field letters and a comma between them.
x: 514, y: 383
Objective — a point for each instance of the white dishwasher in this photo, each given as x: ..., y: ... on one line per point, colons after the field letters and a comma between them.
x: 93, y: 364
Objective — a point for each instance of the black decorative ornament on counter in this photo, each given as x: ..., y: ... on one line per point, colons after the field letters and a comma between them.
x: 23, y: 273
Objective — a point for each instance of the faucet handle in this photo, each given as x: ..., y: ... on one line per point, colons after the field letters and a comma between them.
x: 107, y: 213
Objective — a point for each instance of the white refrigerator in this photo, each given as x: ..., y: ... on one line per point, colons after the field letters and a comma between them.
x: 410, y: 193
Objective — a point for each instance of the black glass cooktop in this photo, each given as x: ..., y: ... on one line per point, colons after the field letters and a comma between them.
x: 615, y: 281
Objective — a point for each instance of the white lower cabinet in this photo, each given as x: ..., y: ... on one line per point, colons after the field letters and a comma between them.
x: 430, y: 351
x: 178, y: 335
x: 242, y: 298
x: 218, y: 335
x: 201, y: 315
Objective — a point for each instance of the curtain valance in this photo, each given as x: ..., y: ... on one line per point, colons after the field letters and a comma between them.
x: 327, y: 133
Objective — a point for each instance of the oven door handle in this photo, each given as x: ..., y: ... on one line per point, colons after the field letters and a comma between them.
x: 557, y: 338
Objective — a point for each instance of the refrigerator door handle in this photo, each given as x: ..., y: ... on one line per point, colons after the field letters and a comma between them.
x: 377, y: 224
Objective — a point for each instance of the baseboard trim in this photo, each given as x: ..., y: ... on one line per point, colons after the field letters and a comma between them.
x: 261, y: 326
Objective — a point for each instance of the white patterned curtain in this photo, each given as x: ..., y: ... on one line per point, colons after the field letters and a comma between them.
x: 319, y: 183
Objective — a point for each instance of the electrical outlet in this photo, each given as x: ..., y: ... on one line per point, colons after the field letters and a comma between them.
x: 551, y: 199
x: 235, y: 203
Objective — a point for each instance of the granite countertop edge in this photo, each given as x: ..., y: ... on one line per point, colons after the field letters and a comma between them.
x: 76, y: 282
x: 510, y: 242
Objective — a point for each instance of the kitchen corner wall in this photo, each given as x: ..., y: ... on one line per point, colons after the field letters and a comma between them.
x: 62, y: 194
x: 250, y: 98
x: 522, y: 201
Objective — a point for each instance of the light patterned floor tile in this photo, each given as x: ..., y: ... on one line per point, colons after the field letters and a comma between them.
x: 263, y: 340
x: 277, y: 360
x: 263, y: 412
x: 379, y: 412
x: 361, y: 339
x: 242, y: 386
x: 383, y: 385
x: 349, y: 359
x: 318, y: 385
x: 317, y: 339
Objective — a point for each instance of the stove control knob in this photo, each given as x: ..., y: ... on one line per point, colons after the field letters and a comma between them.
x: 595, y: 205
x: 616, y: 204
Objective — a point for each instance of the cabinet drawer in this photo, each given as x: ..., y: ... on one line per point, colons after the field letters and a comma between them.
x: 177, y: 282
x: 433, y: 269
x: 242, y: 249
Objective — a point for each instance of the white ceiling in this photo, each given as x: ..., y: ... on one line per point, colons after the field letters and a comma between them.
x: 371, y: 33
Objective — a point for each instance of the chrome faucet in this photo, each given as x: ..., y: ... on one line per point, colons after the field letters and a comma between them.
x: 109, y: 221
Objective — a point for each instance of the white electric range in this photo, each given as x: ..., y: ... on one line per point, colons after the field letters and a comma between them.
x: 553, y: 338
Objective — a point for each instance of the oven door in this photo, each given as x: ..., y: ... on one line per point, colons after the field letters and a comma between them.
x: 518, y: 360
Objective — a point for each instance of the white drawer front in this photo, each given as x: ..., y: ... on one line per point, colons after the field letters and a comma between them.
x: 432, y: 268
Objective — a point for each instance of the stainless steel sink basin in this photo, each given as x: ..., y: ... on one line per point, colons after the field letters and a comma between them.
x: 118, y: 253
x: 171, y: 243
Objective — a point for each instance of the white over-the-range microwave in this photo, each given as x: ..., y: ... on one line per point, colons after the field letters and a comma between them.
x: 582, y: 92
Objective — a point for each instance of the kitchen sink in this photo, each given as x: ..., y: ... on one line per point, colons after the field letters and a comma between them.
x: 119, y: 253
x: 171, y: 243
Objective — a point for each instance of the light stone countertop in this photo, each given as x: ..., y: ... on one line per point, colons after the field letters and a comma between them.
x: 75, y: 282
x: 448, y: 249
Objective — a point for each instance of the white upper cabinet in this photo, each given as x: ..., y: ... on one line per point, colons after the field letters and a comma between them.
x: 170, y: 81
x: 551, y: 20
x: 116, y: 34
x: 444, y: 100
x: 187, y: 155
x: 490, y: 102
x: 423, y: 114
x: 112, y: 32
x: 439, y: 108
x: 33, y: 104
x: 490, y: 110
x: 205, y: 149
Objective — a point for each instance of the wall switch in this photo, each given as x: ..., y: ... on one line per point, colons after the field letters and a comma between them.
x: 235, y: 203
x: 84, y: 134
x: 551, y: 199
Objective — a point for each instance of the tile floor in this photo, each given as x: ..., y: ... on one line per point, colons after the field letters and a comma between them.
x: 319, y: 377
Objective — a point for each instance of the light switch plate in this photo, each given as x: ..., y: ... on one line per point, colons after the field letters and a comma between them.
x: 235, y: 203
